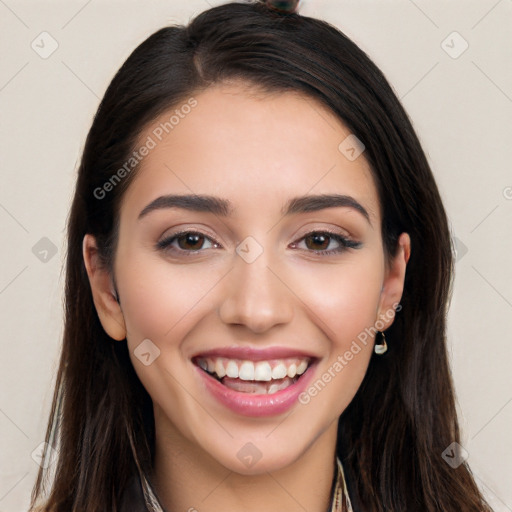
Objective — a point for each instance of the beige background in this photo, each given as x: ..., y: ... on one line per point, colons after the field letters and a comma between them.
x: 461, y: 108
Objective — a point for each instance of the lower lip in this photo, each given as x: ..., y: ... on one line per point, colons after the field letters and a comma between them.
x: 257, y: 405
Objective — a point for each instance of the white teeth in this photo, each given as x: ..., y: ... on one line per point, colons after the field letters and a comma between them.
x: 279, y: 371
x: 232, y: 370
x: 292, y: 370
x: 246, y: 371
x: 274, y: 388
x: 302, y: 367
x: 262, y: 371
x: 219, y: 368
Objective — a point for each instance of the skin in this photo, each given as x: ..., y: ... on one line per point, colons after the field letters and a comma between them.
x: 257, y: 151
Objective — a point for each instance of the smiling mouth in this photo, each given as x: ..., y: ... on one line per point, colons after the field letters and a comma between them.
x: 255, y: 377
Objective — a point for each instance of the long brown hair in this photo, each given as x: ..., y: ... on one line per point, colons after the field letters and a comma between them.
x: 392, y: 435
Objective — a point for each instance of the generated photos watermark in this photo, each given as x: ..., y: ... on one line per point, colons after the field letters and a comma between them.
x: 344, y: 359
x: 151, y: 142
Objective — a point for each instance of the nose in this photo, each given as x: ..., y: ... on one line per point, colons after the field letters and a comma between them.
x: 256, y: 297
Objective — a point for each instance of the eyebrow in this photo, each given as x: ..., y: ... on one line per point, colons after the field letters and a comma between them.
x: 222, y: 207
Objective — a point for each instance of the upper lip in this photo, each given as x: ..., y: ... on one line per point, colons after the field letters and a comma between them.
x: 254, y: 354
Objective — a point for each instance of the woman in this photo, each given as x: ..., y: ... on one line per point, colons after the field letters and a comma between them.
x: 258, y: 272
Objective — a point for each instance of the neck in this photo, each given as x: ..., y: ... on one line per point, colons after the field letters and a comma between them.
x: 186, y: 478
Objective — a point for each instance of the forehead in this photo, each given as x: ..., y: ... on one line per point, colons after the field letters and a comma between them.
x: 251, y: 148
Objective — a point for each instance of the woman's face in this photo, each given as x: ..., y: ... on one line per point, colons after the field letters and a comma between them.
x: 250, y: 244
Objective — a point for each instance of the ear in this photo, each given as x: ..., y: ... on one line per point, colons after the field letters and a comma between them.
x: 103, y: 292
x: 393, y: 285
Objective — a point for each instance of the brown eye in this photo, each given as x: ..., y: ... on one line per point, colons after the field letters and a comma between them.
x: 191, y: 241
x: 317, y: 241
x: 324, y: 243
x: 187, y: 242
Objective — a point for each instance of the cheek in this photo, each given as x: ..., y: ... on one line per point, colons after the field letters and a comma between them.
x: 342, y: 297
x: 159, y: 299
x: 342, y: 300
x: 162, y: 303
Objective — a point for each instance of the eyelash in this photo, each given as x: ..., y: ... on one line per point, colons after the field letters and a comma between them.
x: 344, y: 243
